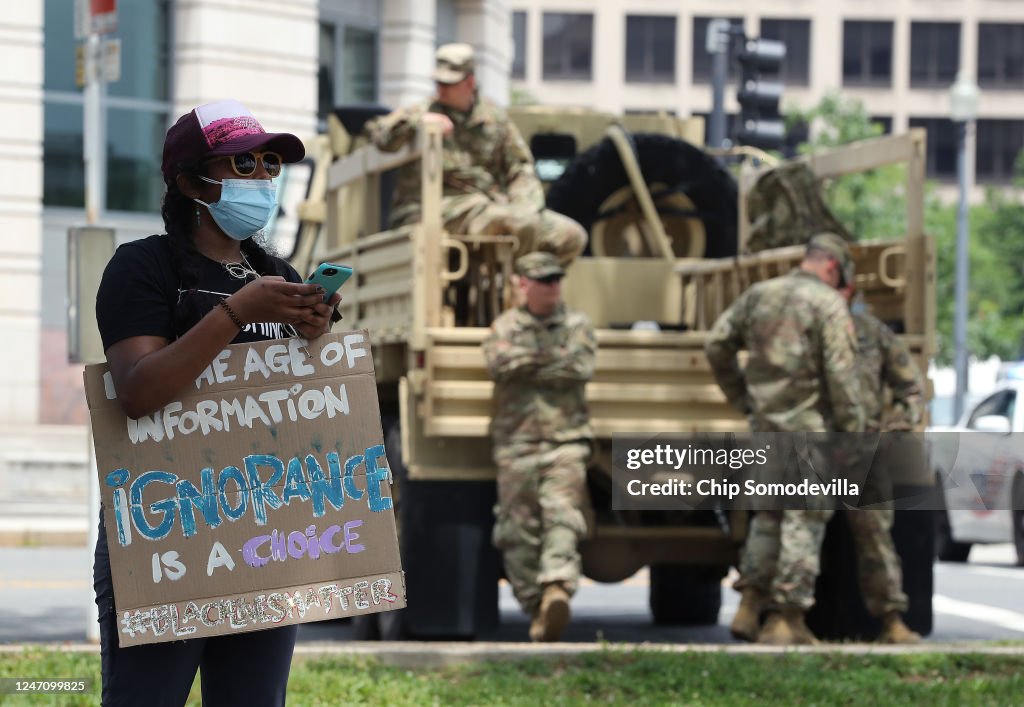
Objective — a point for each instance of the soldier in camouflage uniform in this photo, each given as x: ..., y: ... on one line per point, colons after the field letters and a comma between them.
x: 883, y: 364
x: 799, y: 377
x: 541, y: 356
x: 490, y: 187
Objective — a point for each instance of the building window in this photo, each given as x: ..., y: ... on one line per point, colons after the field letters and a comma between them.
x: 701, y: 59
x: 867, y: 53
x: 137, y: 109
x: 519, y: 45
x: 998, y: 144
x: 568, y: 46
x: 359, y: 69
x: 347, y: 66
x: 941, y: 159
x: 884, y: 122
x: 796, y: 34
x: 651, y: 48
x: 1000, y: 55
x: 934, y: 53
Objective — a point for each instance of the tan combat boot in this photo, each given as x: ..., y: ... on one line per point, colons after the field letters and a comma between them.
x: 554, y: 613
x: 895, y: 631
x: 786, y: 628
x: 536, y: 628
x: 804, y: 636
x: 747, y: 621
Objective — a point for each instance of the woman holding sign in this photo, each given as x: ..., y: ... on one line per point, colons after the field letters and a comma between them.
x: 168, y: 305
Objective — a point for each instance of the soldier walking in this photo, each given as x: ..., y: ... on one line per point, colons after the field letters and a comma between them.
x: 799, y: 377
x: 490, y: 185
x: 540, y: 356
x: 883, y: 365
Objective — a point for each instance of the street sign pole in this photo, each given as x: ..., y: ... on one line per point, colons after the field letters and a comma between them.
x: 717, y: 44
x: 95, y: 132
x: 93, y: 20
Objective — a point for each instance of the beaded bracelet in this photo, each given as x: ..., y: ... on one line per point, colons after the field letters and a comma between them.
x: 231, y: 313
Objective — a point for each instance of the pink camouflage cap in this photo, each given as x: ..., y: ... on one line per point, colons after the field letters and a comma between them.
x: 221, y: 128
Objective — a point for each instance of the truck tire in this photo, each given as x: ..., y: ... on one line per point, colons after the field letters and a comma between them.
x: 387, y: 625
x: 1017, y: 514
x: 839, y: 612
x: 946, y: 548
x: 598, y: 173
x: 685, y: 595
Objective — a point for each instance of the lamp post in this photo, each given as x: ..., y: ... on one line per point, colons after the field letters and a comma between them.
x: 963, y: 109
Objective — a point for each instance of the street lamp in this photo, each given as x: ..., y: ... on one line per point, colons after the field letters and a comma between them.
x: 963, y: 109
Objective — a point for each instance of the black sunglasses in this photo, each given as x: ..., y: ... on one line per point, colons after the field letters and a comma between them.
x: 548, y: 279
x: 244, y: 163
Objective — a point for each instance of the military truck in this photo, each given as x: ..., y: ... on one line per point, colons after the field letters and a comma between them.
x: 667, y: 222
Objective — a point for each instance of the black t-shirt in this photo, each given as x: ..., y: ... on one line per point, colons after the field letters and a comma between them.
x: 142, y: 295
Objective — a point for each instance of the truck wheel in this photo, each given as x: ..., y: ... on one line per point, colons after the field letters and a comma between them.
x: 451, y: 567
x: 685, y: 595
x: 1018, y: 518
x: 677, y: 173
x: 839, y: 612
x: 946, y: 548
x: 387, y: 625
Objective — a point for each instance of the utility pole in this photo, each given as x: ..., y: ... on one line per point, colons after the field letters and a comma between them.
x: 717, y: 42
x: 99, y: 63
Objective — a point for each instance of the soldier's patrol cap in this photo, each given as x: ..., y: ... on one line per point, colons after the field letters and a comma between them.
x: 539, y: 266
x: 836, y: 247
x: 453, y: 62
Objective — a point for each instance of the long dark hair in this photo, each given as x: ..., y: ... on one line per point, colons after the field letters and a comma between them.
x: 179, y: 214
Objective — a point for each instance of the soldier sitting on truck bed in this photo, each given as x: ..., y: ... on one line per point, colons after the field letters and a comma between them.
x: 541, y: 356
x: 490, y: 187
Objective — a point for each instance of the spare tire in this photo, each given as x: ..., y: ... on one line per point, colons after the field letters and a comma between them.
x: 673, y: 164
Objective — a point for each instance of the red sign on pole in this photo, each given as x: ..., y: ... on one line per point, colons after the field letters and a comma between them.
x: 103, y: 16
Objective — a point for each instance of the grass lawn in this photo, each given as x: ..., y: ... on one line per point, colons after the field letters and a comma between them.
x: 614, y: 676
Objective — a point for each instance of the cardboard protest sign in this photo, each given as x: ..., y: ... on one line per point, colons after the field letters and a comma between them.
x: 260, y: 497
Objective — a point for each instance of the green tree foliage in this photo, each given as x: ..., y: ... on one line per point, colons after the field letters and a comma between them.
x: 873, y: 205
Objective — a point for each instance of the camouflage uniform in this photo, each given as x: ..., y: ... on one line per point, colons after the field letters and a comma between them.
x: 541, y: 432
x: 883, y: 363
x: 490, y: 187
x: 799, y: 377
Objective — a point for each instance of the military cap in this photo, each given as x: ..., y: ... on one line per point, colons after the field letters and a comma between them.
x: 837, y: 248
x: 453, y: 62
x: 539, y: 265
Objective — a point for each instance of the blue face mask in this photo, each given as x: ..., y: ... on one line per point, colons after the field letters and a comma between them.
x: 245, y: 206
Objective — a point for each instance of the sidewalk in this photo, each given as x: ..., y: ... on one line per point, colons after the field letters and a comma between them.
x: 426, y: 655
x: 44, y: 485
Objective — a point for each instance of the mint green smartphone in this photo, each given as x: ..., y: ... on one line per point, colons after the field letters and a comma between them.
x: 330, y: 277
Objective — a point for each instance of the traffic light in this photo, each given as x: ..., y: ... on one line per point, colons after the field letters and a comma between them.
x: 760, y: 122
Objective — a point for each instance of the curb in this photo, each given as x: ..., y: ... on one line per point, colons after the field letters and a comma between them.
x: 30, y: 537
x: 438, y: 655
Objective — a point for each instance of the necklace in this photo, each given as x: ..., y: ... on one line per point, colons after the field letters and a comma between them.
x: 240, y: 271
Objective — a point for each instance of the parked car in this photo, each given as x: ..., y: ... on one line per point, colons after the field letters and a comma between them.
x: 979, y: 464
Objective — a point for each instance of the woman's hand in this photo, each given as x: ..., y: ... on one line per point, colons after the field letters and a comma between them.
x: 318, y: 318
x: 273, y: 299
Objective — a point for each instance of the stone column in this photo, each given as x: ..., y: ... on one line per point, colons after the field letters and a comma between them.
x: 487, y: 25
x: 21, y: 198
x: 406, y: 51
x: 261, y: 52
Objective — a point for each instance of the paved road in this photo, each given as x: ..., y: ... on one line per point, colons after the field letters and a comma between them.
x: 45, y: 595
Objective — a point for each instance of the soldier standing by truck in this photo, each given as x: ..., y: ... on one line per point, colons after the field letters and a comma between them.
x: 799, y: 378
x: 490, y: 186
x: 541, y: 356
x: 883, y: 363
